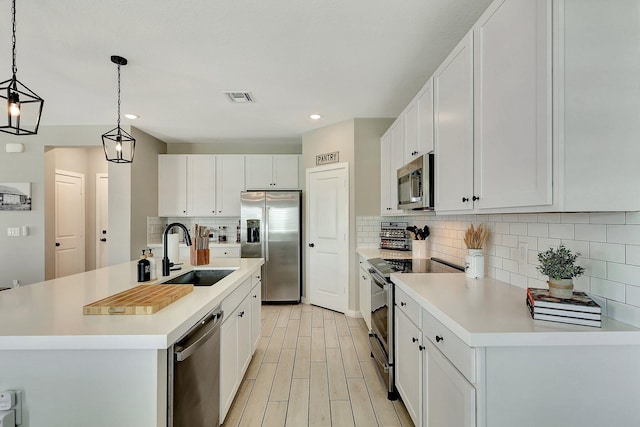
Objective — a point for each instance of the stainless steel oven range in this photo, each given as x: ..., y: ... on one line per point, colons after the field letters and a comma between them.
x: 381, y: 340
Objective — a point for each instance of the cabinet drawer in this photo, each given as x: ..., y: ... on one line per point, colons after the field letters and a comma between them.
x: 408, y: 306
x: 233, y: 252
x: 461, y: 355
x: 232, y: 301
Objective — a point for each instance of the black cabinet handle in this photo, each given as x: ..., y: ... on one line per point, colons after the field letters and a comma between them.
x: 57, y: 243
x: 403, y: 304
x: 439, y: 338
x: 103, y: 240
x: 476, y: 198
x: 414, y: 339
x: 241, y: 314
x: 312, y: 245
x: 465, y: 199
x: 421, y: 347
x: 255, y: 296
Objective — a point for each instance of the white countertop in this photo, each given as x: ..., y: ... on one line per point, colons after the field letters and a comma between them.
x: 490, y: 313
x: 48, y: 315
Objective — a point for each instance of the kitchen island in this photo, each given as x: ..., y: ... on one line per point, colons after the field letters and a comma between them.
x: 102, y: 370
x: 485, y: 362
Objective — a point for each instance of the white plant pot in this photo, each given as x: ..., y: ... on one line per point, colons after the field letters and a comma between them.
x: 474, y: 264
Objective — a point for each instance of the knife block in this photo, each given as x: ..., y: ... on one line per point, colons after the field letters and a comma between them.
x: 199, y: 256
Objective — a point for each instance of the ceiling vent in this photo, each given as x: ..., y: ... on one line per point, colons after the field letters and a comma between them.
x: 239, y: 97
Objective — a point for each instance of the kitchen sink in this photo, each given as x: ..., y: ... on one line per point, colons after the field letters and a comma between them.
x: 200, y: 277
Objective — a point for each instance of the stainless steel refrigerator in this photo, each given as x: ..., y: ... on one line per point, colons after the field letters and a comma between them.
x: 271, y: 229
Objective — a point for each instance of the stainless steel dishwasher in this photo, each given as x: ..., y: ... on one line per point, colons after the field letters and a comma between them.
x: 193, y: 375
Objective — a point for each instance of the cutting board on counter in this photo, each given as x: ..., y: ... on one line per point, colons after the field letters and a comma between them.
x: 143, y: 299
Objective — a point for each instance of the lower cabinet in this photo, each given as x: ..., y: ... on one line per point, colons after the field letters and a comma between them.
x: 408, y: 346
x: 365, y: 292
x: 256, y: 304
x: 236, y: 344
x: 449, y: 399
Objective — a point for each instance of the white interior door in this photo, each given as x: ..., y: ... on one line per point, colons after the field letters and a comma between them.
x: 69, y: 206
x: 102, y: 219
x: 328, y: 236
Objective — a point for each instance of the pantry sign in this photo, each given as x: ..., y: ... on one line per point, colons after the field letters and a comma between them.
x: 324, y: 159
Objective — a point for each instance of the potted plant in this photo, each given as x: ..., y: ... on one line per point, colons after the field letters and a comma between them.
x: 560, y: 265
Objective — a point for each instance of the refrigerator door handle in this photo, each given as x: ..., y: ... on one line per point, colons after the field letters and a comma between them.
x: 266, y: 234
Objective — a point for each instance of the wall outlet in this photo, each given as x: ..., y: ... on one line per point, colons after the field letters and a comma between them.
x: 13, y: 231
x: 523, y: 249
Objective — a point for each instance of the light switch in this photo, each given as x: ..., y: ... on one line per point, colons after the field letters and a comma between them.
x: 13, y: 231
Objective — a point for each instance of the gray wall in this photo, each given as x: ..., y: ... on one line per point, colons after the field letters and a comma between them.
x: 358, y: 141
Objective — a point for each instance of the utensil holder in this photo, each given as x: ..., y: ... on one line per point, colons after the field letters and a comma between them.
x: 199, y: 256
x: 419, y: 249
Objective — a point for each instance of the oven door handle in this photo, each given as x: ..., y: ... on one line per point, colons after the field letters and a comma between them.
x: 378, y: 279
x: 200, y: 336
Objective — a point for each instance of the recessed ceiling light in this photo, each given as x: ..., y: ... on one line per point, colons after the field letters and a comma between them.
x: 132, y: 116
x: 315, y: 116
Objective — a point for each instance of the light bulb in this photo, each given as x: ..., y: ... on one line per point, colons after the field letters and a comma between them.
x: 119, y: 146
x: 14, y: 104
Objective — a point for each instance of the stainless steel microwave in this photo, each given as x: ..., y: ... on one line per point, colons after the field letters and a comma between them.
x: 415, y: 184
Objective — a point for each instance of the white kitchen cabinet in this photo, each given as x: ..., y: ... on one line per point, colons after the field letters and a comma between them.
x: 224, y: 252
x: 235, y: 344
x: 199, y: 185
x: 453, y: 128
x: 172, y: 185
x: 365, y: 291
x: 256, y: 307
x: 418, y: 120
x: 449, y: 399
x: 408, y: 363
x: 272, y: 172
x: 391, y: 159
x: 229, y: 184
x: 512, y: 141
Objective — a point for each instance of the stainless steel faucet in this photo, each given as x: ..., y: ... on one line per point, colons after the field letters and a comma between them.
x: 166, y: 264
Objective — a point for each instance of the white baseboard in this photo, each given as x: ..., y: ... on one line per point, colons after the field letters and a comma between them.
x: 350, y: 313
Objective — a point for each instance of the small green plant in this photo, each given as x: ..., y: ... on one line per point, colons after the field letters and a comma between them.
x: 559, y: 263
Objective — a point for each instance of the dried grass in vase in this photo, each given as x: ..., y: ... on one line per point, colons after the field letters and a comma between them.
x: 474, y: 238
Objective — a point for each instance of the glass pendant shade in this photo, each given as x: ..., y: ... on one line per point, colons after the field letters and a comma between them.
x: 119, y: 146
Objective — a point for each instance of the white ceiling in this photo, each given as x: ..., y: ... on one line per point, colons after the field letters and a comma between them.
x: 340, y: 58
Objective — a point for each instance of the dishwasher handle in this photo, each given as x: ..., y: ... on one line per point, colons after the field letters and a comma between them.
x: 198, y: 335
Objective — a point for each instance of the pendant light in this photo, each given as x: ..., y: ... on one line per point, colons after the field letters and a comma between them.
x: 24, y: 107
x: 119, y: 146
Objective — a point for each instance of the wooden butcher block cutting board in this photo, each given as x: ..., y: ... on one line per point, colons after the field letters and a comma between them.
x: 143, y: 299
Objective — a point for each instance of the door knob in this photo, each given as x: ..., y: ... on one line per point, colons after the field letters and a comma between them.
x: 57, y: 243
x: 103, y: 240
x: 312, y: 245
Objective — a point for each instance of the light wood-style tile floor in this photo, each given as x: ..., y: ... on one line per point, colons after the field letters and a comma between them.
x: 313, y: 367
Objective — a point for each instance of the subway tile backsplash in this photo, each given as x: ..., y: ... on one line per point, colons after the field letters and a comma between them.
x: 609, y: 244
x: 156, y: 226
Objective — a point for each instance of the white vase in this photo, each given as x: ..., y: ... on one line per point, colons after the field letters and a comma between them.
x: 474, y: 264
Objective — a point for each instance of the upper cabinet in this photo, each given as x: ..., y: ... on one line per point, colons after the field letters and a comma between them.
x: 512, y: 141
x: 453, y: 123
x: 418, y: 124
x: 200, y: 185
x: 391, y: 159
x: 272, y: 172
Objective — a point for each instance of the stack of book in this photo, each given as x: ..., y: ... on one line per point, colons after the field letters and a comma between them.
x: 578, y: 310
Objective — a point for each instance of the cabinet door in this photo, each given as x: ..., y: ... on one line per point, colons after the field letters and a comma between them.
x: 453, y: 122
x: 450, y: 400
x: 229, y: 183
x: 256, y: 308
x: 408, y: 364
x: 245, y: 347
x: 201, y: 185
x: 512, y: 96
x: 385, y: 173
x: 172, y: 185
x: 228, y: 362
x: 286, y: 172
x: 258, y: 172
x: 224, y: 252
x: 365, y: 293
x: 418, y: 117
